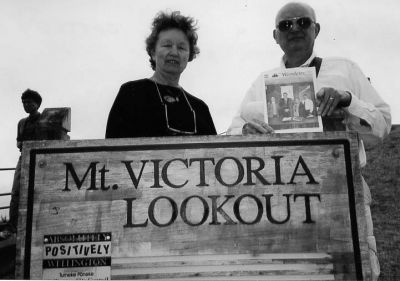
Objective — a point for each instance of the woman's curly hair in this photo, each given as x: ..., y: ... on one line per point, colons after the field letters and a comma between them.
x: 164, y: 21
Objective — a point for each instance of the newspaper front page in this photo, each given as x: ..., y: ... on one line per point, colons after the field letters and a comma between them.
x: 290, y: 101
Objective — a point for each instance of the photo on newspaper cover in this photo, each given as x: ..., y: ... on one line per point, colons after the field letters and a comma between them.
x: 290, y: 103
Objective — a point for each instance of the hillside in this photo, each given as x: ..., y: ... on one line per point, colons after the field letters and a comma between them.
x: 382, y: 174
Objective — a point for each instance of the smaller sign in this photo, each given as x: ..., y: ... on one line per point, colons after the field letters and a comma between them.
x: 81, y: 256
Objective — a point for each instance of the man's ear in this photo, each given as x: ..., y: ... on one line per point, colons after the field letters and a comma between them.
x: 274, y: 35
x: 317, y: 29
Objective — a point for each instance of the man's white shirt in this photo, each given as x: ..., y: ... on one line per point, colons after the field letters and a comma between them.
x: 367, y: 113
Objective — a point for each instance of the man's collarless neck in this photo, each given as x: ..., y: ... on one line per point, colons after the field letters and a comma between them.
x: 305, y: 64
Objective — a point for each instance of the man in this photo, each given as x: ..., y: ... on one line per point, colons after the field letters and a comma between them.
x: 343, y: 87
x: 28, y: 129
x: 285, y: 106
x: 275, y: 108
x: 308, y: 106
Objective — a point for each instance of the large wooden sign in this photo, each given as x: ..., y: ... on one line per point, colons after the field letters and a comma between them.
x: 287, y: 206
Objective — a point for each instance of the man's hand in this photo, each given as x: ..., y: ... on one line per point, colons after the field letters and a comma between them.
x: 328, y: 99
x: 256, y: 127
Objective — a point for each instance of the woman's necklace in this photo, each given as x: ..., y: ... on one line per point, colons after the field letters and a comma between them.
x: 166, y: 112
x: 168, y: 97
x: 171, y: 99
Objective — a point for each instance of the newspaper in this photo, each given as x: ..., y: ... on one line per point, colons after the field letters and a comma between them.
x: 290, y: 102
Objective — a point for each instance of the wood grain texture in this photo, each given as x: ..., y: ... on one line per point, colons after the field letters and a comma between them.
x: 253, y: 237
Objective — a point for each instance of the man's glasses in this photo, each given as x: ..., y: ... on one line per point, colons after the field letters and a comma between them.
x: 302, y: 22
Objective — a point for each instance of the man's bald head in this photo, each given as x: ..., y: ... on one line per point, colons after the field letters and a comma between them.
x: 295, y: 32
x: 295, y: 6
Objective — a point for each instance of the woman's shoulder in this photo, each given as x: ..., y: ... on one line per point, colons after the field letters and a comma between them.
x: 136, y: 88
x: 196, y: 101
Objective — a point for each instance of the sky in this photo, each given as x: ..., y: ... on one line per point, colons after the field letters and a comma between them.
x: 77, y: 53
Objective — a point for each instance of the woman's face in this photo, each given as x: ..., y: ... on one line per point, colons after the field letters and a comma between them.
x: 172, y: 51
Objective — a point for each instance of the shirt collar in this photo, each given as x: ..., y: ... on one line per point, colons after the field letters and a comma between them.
x: 305, y: 64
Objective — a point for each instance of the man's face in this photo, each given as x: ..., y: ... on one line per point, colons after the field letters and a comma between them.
x: 30, y: 106
x: 296, y: 40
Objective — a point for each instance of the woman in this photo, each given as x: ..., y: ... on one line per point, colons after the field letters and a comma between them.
x: 159, y: 106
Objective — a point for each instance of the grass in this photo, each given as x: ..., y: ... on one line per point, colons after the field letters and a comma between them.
x: 7, y: 255
x: 382, y: 174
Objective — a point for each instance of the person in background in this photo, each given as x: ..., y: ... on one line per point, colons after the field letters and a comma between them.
x: 296, y: 108
x: 272, y: 108
x: 27, y: 130
x: 159, y: 106
x: 342, y: 86
x: 308, y: 106
x: 275, y: 108
x: 286, y: 106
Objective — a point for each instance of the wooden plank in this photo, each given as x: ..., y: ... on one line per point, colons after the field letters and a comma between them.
x: 224, y: 259
x: 289, y: 204
x: 244, y: 278
x: 245, y: 266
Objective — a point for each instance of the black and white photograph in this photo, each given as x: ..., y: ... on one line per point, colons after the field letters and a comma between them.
x: 291, y: 102
x: 199, y: 140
